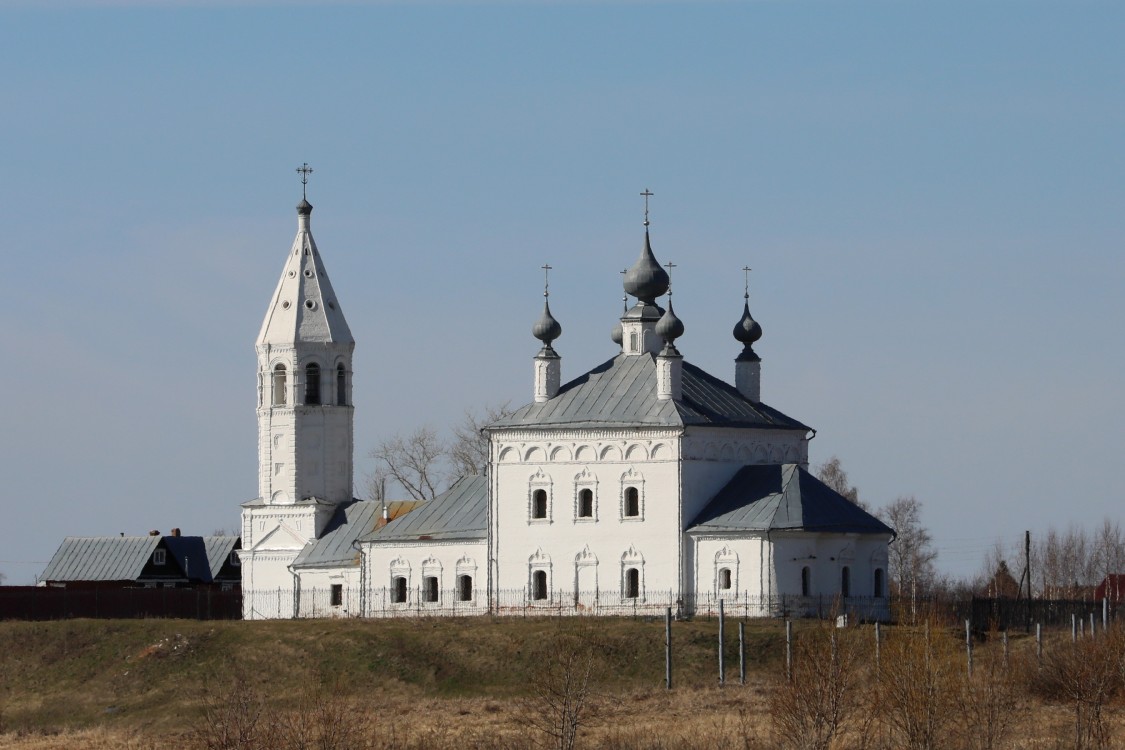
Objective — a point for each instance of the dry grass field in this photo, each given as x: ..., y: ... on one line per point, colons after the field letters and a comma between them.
x: 514, y: 683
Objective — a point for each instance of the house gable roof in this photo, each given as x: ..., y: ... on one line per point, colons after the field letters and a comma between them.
x: 783, y: 497
x: 622, y: 391
x: 101, y: 558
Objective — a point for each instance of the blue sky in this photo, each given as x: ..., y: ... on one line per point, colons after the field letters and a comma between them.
x: 930, y: 195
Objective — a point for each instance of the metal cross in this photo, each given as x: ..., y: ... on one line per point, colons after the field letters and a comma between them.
x: 669, y: 265
x: 546, y: 279
x: 746, y: 276
x: 624, y: 296
x: 647, y: 194
x: 304, y: 170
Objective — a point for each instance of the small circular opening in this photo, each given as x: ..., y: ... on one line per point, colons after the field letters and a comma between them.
x: 308, y: 273
x: 310, y: 304
x: 292, y: 274
x: 285, y: 304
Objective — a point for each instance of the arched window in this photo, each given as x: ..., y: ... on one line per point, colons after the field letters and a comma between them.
x: 632, y: 502
x: 539, y: 504
x: 632, y: 583
x: 539, y: 585
x: 398, y: 590
x: 341, y: 385
x: 724, y: 579
x: 845, y: 582
x: 464, y: 588
x: 280, y: 382
x: 586, y: 503
x: 879, y: 583
x: 312, y: 383
x: 806, y: 581
x: 430, y: 589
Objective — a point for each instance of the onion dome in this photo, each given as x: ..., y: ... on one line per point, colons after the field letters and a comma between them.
x: 304, y: 208
x: 669, y: 328
x: 646, y: 280
x: 617, y: 335
x: 747, y: 331
x: 546, y: 329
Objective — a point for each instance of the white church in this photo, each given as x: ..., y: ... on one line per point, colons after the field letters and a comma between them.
x: 644, y: 483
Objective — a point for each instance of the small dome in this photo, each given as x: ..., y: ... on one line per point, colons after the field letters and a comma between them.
x: 304, y: 208
x: 617, y: 334
x: 546, y: 329
x: 747, y: 330
x: 669, y: 327
x: 646, y: 280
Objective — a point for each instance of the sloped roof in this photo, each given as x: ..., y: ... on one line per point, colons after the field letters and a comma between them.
x: 783, y: 496
x: 100, y: 558
x: 622, y: 391
x: 218, y: 551
x: 190, y: 553
x: 334, y: 547
x: 458, y: 513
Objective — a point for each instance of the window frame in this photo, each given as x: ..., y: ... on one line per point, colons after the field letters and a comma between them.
x: 336, y: 594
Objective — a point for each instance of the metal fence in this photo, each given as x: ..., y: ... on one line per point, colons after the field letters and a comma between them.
x: 51, y: 603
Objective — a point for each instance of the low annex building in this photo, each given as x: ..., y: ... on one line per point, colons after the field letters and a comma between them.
x: 641, y: 484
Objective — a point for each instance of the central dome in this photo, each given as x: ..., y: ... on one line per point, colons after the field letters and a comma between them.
x: 646, y: 280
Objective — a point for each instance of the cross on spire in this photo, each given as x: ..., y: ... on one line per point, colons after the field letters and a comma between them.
x: 669, y: 265
x: 625, y: 297
x: 647, y: 194
x: 546, y: 279
x: 746, y: 282
x: 304, y: 170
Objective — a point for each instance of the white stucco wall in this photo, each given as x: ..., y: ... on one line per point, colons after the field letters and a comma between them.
x: 417, y: 560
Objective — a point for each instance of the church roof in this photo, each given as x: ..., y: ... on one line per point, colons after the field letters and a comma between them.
x: 622, y: 391
x: 461, y: 512
x: 334, y: 547
x: 776, y: 497
x: 304, y: 306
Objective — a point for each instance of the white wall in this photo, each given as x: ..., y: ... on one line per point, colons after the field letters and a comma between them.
x: 416, y: 560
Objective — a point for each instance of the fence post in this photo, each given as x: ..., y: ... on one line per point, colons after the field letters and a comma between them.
x: 1004, y: 635
x: 741, y: 653
x: 969, y: 645
x: 878, y: 646
x: 789, y: 649
x: 1073, y: 628
x: 1039, y: 644
x: 668, y: 648
x: 1092, y: 625
x: 1105, y: 613
x: 722, y: 664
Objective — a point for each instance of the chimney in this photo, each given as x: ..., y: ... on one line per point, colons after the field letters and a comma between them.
x: 176, y: 531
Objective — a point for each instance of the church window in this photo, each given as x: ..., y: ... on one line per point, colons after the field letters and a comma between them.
x: 632, y: 503
x: 430, y: 589
x: 398, y: 590
x: 337, y: 594
x: 633, y: 342
x: 879, y: 583
x: 539, y: 585
x: 806, y: 581
x: 279, y: 385
x: 724, y: 579
x: 341, y: 386
x: 159, y: 557
x: 464, y: 588
x: 586, y: 503
x: 539, y: 504
x: 312, y: 383
x: 845, y: 582
x: 632, y: 583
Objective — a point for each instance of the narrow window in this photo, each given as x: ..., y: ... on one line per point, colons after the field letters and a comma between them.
x: 158, y: 557
x: 539, y: 585
x: 279, y: 385
x: 805, y: 582
x: 632, y: 502
x: 234, y: 559
x: 337, y: 594
x: 879, y: 583
x: 465, y: 588
x: 586, y: 503
x: 724, y: 579
x: 539, y: 504
x: 341, y: 386
x: 429, y: 589
x: 846, y: 582
x: 312, y: 383
x: 632, y: 583
x: 398, y: 590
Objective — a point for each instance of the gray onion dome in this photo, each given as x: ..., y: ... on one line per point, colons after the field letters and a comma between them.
x: 747, y: 330
x: 646, y: 280
x: 304, y: 208
x: 617, y: 334
x: 669, y: 327
x: 546, y: 329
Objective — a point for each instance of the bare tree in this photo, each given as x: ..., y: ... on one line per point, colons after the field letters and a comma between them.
x: 832, y: 473
x: 911, y: 553
x: 469, y: 450
x: 416, y: 462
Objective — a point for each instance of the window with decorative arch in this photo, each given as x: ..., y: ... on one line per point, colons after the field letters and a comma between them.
x: 585, y: 496
x: 312, y: 383
x: 466, y: 571
x: 632, y: 574
x: 632, y: 496
x: 726, y: 572
x: 539, y: 498
x: 539, y: 577
x: 400, y: 581
x: 280, y: 383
